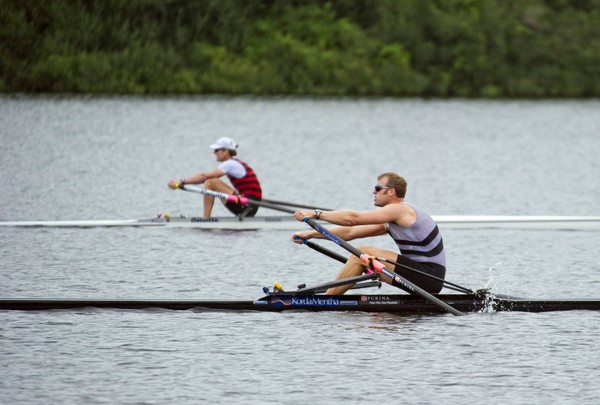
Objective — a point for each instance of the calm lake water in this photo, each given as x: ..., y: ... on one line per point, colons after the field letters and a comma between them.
x: 110, y: 158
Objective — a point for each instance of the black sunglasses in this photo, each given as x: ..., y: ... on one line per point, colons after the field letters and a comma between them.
x: 219, y: 150
x: 378, y: 188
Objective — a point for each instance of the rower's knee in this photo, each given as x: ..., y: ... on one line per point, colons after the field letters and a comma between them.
x: 354, y: 260
x: 210, y: 184
x: 357, y: 266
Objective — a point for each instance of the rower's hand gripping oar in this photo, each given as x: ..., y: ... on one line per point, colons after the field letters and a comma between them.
x: 380, y: 267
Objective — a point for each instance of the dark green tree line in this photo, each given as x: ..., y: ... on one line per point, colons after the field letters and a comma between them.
x: 441, y: 48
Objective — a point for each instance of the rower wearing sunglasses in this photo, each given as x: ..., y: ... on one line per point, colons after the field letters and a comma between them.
x: 242, y: 177
x: 416, y: 234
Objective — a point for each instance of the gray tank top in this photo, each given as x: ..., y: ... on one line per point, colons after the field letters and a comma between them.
x: 422, y: 241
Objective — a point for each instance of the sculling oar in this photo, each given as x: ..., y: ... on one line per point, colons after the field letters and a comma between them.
x: 342, y: 259
x: 447, y: 284
x: 380, y: 267
x: 321, y: 249
x: 291, y: 204
x: 234, y: 198
x: 245, y: 200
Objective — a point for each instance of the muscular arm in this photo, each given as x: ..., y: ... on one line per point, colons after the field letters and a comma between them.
x: 358, y: 224
x: 198, y: 178
x: 346, y: 232
x: 202, y: 177
x: 360, y: 231
x: 402, y: 214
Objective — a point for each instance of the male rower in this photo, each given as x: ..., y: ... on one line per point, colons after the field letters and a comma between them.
x: 241, y: 176
x: 415, y: 233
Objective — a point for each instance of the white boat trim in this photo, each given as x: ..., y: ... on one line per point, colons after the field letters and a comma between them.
x: 74, y: 223
x: 557, y: 222
x: 288, y: 223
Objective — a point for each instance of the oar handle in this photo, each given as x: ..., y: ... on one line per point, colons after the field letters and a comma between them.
x: 380, y: 267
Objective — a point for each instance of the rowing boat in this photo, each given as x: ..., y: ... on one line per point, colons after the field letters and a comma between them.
x: 393, y: 303
x: 289, y: 223
x: 313, y: 299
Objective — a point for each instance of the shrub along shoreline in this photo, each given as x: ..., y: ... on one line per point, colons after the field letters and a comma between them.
x: 397, y: 48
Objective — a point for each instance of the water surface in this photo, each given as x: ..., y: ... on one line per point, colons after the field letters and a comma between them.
x: 110, y: 158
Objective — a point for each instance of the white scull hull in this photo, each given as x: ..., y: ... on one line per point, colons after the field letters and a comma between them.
x: 518, y: 222
x: 288, y: 223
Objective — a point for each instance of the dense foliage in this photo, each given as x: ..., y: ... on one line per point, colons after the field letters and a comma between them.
x: 445, y: 48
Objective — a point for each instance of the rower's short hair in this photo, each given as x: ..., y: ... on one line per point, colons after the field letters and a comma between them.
x: 395, y: 181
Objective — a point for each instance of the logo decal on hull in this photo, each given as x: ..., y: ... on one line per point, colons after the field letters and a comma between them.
x: 199, y: 219
x: 311, y: 301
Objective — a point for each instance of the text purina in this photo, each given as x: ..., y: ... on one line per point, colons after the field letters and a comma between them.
x: 377, y: 298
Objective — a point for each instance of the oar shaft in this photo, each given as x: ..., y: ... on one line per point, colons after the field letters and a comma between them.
x: 237, y: 198
x: 381, y: 268
x: 447, y: 284
x: 325, y: 251
x: 291, y: 204
x: 343, y: 259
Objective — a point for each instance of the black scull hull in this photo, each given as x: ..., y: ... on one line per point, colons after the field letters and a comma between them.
x: 398, y: 303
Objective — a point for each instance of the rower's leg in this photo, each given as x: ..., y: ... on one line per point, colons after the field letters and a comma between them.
x: 354, y: 267
x: 209, y: 200
x: 386, y: 254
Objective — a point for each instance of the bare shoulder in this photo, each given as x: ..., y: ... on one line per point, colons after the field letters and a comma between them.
x: 394, y: 212
x: 406, y: 215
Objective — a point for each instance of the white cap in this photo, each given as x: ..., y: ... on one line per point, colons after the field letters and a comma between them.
x: 224, y: 143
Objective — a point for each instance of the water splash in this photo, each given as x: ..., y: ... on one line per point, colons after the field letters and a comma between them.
x: 489, y: 303
x: 502, y: 274
x: 501, y: 278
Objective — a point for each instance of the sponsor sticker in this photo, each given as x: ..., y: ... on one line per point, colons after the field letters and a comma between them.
x: 399, y: 281
x: 199, y: 219
x: 315, y: 301
x: 379, y: 299
x: 312, y: 301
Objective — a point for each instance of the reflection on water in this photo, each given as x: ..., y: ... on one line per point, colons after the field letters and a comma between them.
x: 394, y: 322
